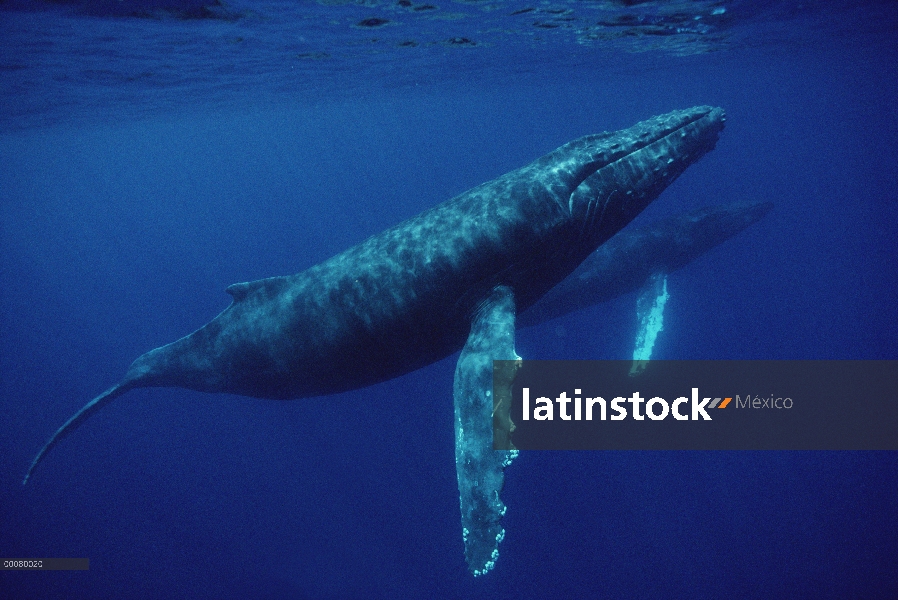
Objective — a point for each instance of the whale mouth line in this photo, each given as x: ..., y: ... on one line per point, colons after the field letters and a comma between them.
x: 714, y: 122
x: 715, y: 116
x: 662, y: 147
x: 706, y: 113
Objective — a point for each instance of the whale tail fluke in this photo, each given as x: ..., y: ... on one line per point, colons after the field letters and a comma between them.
x: 79, y: 417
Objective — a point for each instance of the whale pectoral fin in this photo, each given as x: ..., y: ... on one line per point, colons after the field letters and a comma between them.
x: 650, y: 313
x: 478, y: 466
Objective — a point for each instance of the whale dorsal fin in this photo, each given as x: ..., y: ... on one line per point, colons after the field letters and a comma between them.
x: 238, y: 291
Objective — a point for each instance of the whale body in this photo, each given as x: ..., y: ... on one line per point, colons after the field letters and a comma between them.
x: 452, y: 277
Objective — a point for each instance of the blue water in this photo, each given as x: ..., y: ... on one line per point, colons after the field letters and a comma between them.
x: 147, y: 162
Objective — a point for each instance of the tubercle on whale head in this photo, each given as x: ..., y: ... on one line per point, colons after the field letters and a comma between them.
x: 571, y: 164
x: 650, y: 156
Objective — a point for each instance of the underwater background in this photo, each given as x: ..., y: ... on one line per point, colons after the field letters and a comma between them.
x: 152, y: 152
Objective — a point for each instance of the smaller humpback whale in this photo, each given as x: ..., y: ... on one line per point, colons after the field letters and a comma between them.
x: 627, y: 261
x: 452, y: 278
x: 640, y: 259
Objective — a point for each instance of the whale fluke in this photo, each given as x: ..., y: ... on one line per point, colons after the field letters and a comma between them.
x: 160, y: 367
x: 78, y: 418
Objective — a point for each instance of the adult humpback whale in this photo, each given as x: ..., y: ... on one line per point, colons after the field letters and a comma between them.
x: 416, y: 292
x: 625, y: 262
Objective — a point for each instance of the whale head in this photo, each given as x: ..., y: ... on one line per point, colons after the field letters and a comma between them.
x: 612, y: 177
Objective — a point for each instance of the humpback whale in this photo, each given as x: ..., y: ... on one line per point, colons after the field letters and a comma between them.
x: 629, y: 259
x: 640, y: 259
x: 452, y: 278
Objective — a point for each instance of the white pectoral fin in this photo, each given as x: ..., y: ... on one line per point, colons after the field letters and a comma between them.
x: 478, y: 466
x: 650, y: 313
